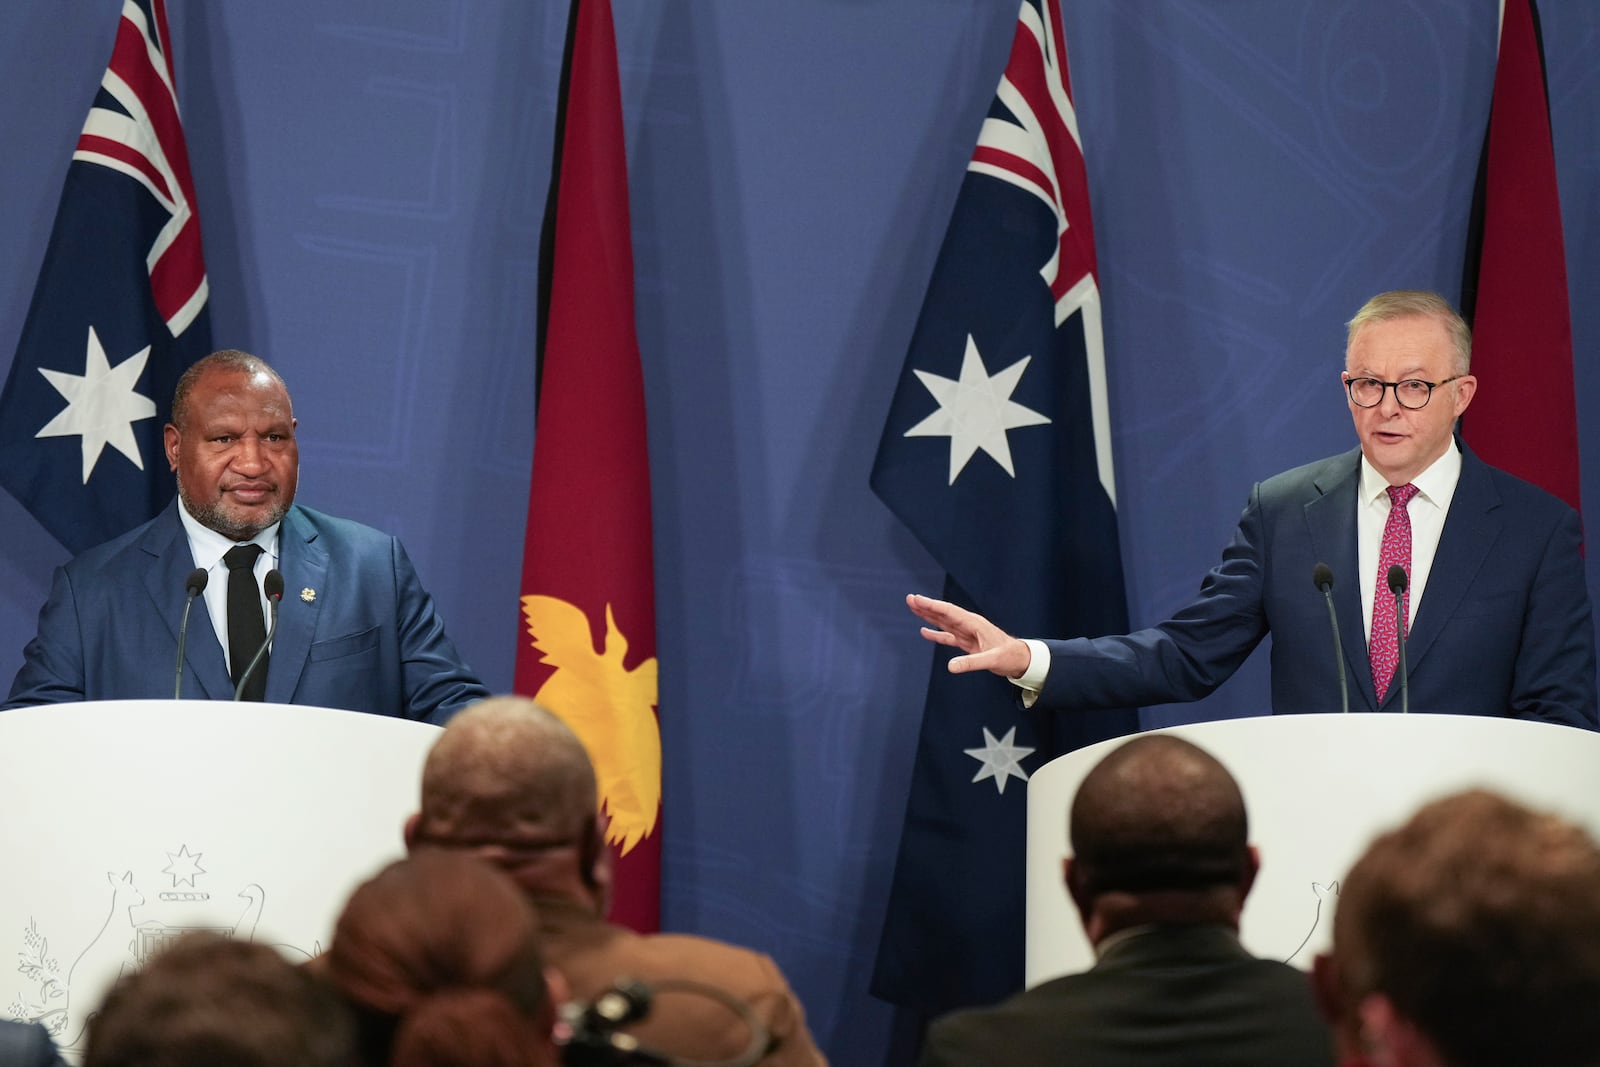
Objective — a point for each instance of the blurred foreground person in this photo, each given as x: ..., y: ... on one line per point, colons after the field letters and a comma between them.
x: 1469, y: 937
x: 509, y: 782
x: 438, y: 955
x: 1160, y: 870
x: 207, y: 1001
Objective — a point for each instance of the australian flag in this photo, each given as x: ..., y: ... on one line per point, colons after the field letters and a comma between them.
x: 997, y: 455
x: 119, y: 310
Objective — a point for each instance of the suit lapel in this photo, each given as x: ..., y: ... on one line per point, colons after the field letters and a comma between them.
x: 1470, y: 529
x: 304, y: 565
x: 171, y: 562
x: 1331, y: 519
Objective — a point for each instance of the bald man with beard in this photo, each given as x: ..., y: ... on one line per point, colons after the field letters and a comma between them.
x: 510, y: 782
x: 1160, y: 870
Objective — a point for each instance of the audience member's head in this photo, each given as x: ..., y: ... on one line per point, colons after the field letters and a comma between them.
x: 1470, y: 937
x: 1159, y: 835
x: 206, y: 1000
x: 438, y: 954
x: 510, y: 782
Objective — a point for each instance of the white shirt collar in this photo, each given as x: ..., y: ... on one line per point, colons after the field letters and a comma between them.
x: 1436, y: 484
x: 208, y: 546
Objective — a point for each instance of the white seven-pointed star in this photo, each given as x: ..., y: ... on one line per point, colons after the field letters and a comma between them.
x: 184, y: 867
x: 101, y: 404
x: 1000, y: 759
x: 976, y: 410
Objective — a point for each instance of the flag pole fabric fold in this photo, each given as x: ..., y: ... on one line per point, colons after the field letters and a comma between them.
x: 997, y: 455
x: 1524, y: 417
x: 119, y: 311
x: 586, y: 646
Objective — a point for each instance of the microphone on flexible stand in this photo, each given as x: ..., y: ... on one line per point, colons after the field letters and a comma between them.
x: 193, y: 586
x: 1397, y: 586
x: 1322, y: 575
x: 272, y: 585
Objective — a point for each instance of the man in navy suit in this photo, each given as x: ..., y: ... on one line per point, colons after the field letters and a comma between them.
x: 1497, y: 609
x: 27, y: 1045
x: 356, y: 630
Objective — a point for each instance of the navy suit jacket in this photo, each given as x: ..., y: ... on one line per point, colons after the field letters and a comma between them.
x: 1503, y: 627
x: 356, y: 629
x: 27, y: 1045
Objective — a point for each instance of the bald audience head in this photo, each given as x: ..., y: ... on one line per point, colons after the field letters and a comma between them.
x: 1470, y: 937
x: 1159, y: 835
x: 512, y: 783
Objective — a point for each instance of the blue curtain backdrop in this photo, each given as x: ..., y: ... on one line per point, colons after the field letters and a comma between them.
x: 371, y: 177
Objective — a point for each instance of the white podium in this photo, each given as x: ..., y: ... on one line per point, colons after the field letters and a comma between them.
x: 123, y: 823
x: 1317, y: 788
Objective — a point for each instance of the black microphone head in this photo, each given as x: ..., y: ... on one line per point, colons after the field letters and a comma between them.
x: 1397, y: 579
x: 272, y: 584
x: 195, y: 584
x: 1322, y: 575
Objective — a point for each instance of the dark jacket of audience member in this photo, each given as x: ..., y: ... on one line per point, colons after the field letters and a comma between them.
x: 27, y: 1045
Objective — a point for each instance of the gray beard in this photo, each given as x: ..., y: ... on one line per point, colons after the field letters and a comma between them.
x: 212, y: 517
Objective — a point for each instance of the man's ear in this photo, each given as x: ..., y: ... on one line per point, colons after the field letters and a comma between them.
x: 1072, y: 875
x: 596, y: 863
x: 410, y: 830
x: 1252, y: 868
x: 169, y: 441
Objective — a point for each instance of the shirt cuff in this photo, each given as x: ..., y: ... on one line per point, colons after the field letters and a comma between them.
x: 1032, y: 679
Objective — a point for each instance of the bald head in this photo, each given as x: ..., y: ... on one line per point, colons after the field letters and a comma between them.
x: 1160, y: 820
x: 506, y: 772
x: 228, y: 360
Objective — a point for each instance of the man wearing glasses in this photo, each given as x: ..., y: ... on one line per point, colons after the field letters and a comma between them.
x: 1493, y: 605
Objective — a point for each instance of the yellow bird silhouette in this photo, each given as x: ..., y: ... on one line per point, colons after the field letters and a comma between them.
x: 610, y: 708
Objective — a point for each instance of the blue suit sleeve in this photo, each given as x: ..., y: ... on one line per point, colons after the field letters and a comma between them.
x: 436, y: 682
x: 1184, y: 658
x: 52, y: 664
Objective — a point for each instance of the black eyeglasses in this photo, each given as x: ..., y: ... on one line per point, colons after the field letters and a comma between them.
x: 1411, y: 394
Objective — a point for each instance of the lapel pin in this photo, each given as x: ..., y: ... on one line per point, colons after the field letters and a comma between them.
x: 308, y: 594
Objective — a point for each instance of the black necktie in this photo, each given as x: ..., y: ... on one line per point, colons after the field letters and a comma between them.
x: 246, y: 630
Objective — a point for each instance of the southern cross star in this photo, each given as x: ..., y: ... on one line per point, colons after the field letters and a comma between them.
x: 1000, y: 759
x: 101, y: 404
x: 976, y: 410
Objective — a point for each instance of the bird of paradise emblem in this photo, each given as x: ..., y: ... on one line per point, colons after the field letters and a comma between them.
x: 610, y: 708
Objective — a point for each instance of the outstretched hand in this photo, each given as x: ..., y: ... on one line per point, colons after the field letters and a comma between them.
x: 984, y: 646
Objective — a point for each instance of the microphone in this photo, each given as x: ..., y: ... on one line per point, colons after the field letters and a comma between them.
x: 1397, y: 586
x: 272, y: 585
x: 1322, y: 576
x: 193, y: 586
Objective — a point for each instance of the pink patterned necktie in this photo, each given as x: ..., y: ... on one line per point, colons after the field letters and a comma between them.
x: 1384, y: 648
